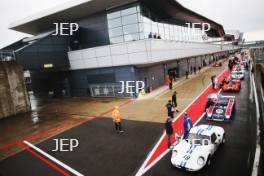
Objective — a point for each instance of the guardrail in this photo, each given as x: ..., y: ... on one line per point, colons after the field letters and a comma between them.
x: 109, y: 90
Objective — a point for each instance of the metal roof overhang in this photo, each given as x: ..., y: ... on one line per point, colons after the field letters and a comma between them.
x: 168, y: 10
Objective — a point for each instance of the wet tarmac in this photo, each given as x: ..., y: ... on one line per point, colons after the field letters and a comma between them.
x: 101, y: 150
x: 48, y: 114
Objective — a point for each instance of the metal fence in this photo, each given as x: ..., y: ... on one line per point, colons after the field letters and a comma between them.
x: 110, y: 90
x: 260, y: 59
x: 7, y: 55
x: 258, y: 55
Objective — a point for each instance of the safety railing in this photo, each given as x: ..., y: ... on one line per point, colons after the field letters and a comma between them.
x: 7, y: 55
x: 110, y: 90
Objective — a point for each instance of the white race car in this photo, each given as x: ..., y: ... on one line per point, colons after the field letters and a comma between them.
x: 195, y: 152
x: 237, y: 74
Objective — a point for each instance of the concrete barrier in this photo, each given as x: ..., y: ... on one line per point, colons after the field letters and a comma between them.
x: 13, y: 95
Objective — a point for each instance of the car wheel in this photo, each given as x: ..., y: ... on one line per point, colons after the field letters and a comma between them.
x: 224, y: 139
x: 208, y: 162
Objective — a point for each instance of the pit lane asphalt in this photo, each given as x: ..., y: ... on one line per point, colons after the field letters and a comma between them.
x: 234, y: 158
x: 101, y: 151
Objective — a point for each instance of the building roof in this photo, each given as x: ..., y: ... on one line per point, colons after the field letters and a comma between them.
x: 77, y: 9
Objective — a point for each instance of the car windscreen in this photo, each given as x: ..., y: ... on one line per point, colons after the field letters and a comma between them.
x: 196, y: 139
x: 237, y: 73
x: 222, y: 102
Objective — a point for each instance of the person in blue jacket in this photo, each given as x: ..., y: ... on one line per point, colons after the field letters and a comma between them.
x: 187, y: 125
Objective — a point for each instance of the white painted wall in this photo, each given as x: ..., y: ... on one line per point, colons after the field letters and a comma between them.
x: 139, y: 52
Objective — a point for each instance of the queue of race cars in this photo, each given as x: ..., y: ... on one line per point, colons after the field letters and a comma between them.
x: 195, y: 152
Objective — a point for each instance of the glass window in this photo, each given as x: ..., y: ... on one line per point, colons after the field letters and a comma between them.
x: 113, y: 15
x: 187, y: 34
x: 114, y: 23
x: 132, y: 37
x: 140, y: 18
x: 172, y: 32
x: 161, y: 29
x: 129, y: 11
x: 146, y: 20
x: 182, y: 34
x: 115, y: 32
x: 154, y: 26
x: 117, y: 39
x: 141, y: 27
x: 176, y: 32
x: 132, y: 28
x: 138, y: 8
x: 166, y: 31
x: 129, y: 19
x: 147, y: 27
x: 143, y: 35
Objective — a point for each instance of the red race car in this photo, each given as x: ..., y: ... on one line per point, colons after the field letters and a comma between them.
x: 217, y: 64
x: 234, y: 85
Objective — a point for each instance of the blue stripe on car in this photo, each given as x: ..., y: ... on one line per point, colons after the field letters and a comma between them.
x: 192, y: 149
x: 189, y: 148
x: 181, y: 163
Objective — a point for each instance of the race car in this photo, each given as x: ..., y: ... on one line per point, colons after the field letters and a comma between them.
x: 220, y: 109
x: 217, y: 64
x: 239, y: 67
x: 237, y: 74
x: 234, y: 85
x: 195, y: 152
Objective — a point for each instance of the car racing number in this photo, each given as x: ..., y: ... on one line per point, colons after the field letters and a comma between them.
x: 186, y: 157
x: 219, y: 111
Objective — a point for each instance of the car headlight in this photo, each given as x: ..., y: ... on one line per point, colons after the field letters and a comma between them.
x: 201, y: 160
x: 174, y: 153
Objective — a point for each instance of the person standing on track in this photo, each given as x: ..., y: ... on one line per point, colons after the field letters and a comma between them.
x: 117, y: 120
x: 213, y: 81
x: 187, y: 125
x: 170, y: 83
x: 186, y: 74
x: 174, y: 101
x: 169, y: 130
x: 170, y: 109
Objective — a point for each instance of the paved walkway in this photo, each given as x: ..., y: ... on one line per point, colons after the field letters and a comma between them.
x: 153, y: 109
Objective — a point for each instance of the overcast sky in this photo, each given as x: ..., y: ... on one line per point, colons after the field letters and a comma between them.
x: 244, y: 15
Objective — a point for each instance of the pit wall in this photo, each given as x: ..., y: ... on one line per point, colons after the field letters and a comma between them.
x: 13, y: 94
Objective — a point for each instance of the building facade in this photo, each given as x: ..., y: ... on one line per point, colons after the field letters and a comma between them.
x: 116, y: 41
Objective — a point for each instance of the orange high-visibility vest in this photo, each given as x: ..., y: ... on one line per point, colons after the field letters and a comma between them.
x: 167, y: 79
x: 116, y: 115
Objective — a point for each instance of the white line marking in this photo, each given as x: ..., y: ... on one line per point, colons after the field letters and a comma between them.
x: 251, y: 87
x: 257, y: 153
x: 141, y: 170
x: 262, y: 94
x: 53, y: 159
